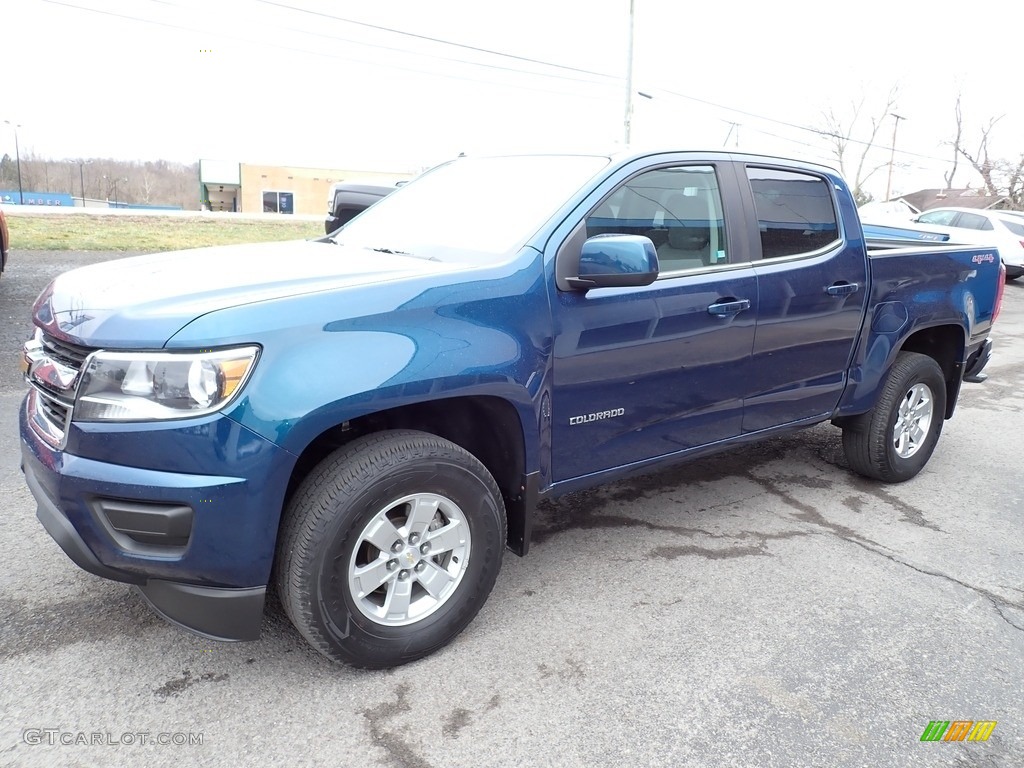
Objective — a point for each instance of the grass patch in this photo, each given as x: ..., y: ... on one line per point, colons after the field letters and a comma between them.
x: 83, y: 232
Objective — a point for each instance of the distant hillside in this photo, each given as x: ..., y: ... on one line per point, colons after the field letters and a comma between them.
x: 152, y: 182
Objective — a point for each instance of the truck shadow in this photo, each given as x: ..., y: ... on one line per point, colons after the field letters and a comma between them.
x: 814, y: 459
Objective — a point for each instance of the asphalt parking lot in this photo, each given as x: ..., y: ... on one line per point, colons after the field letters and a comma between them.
x: 764, y: 607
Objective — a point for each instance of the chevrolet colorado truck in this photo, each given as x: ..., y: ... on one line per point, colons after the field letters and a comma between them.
x: 366, y: 422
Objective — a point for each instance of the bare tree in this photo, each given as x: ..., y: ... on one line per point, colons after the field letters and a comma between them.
x: 956, y: 143
x: 158, y: 182
x: 1013, y: 186
x: 980, y: 160
x: 853, y: 136
x: 146, y: 183
x: 31, y: 172
x: 1002, y: 178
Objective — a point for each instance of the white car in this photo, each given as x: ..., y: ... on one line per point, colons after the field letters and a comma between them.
x: 1002, y: 229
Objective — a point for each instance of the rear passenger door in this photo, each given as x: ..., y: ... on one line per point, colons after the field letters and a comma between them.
x: 812, y: 294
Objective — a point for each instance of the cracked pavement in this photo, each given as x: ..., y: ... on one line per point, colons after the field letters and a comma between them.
x: 763, y: 607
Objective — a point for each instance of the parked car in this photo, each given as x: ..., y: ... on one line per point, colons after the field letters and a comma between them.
x: 1002, y: 229
x: 347, y: 201
x: 367, y: 421
x: 4, y: 241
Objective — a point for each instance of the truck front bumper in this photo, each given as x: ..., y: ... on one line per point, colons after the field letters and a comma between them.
x: 198, y: 546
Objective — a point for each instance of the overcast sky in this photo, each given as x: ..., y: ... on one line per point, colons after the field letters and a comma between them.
x: 397, y: 85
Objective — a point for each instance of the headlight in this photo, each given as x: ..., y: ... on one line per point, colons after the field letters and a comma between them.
x: 144, y: 386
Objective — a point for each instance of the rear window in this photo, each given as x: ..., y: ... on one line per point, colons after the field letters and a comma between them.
x: 974, y: 221
x: 1016, y: 227
x: 795, y: 213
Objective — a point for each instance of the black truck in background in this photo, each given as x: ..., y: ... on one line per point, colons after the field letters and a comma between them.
x: 346, y: 201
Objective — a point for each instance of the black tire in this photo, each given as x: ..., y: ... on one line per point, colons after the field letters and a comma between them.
x: 870, y: 441
x: 325, y: 543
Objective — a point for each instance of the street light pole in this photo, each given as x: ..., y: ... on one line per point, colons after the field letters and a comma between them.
x: 17, y: 154
x: 114, y: 181
x: 892, y: 154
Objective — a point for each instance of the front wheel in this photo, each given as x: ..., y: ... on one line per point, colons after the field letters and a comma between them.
x: 894, y: 440
x: 389, y: 548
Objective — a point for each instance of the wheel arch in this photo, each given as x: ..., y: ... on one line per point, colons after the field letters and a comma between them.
x: 895, y: 439
x: 489, y: 427
x: 945, y: 344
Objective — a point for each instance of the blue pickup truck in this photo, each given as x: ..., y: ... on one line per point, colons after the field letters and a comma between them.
x: 366, y: 422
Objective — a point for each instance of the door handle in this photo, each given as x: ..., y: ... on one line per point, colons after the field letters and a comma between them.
x: 842, y: 289
x: 729, y: 307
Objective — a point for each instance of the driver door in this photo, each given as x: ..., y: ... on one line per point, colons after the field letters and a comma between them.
x: 649, y: 371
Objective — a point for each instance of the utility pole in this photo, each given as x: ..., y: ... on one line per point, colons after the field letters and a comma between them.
x: 892, y: 154
x: 733, y: 127
x: 629, y: 79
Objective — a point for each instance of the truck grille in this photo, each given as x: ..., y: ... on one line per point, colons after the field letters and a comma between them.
x: 65, y: 352
x: 54, y: 410
x: 54, y: 395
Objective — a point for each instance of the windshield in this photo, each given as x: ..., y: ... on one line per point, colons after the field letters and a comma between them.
x: 471, y: 208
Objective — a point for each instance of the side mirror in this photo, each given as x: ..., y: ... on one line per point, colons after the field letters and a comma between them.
x: 615, y: 261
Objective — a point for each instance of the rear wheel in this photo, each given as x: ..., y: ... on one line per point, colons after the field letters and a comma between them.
x: 390, y: 548
x: 894, y: 440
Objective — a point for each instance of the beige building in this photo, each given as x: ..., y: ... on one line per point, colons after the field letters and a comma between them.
x: 230, y: 186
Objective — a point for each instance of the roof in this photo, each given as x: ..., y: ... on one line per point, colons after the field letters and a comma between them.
x: 926, y: 199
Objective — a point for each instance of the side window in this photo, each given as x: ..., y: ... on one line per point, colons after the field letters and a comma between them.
x: 795, y: 213
x: 973, y: 221
x: 679, y: 209
x: 945, y: 218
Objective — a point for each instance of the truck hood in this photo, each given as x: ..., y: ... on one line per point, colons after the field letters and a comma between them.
x: 141, y: 302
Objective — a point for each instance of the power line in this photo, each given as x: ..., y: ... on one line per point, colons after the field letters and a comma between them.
x: 816, y: 131
x: 441, y: 58
x: 335, y: 56
x: 437, y: 40
x: 285, y: 6
x: 336, y: 38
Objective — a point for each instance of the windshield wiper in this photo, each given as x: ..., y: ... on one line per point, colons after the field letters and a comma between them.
x: 388, y: 250
x: 393, y: 252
